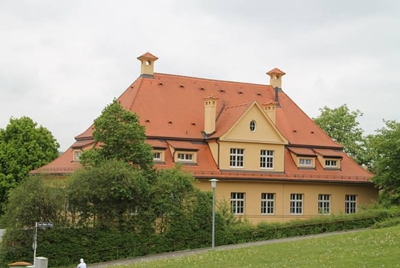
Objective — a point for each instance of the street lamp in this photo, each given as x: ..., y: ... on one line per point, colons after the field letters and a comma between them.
x: 42, y: 225
x: 213, y: 186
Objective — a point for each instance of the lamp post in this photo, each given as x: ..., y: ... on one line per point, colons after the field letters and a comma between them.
x: 42, y: 225
x: 213, y: 186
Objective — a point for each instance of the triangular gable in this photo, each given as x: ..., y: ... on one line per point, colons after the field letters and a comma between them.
x: 265, y: 130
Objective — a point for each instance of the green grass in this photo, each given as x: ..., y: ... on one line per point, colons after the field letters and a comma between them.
x: 372, y: 248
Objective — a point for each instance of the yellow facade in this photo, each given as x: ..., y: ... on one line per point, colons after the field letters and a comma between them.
x: 365, y: 194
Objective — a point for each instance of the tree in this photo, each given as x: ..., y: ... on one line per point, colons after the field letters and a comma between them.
x: 109, y: 194
x: 121, y: 137
x: 342, y: 126
x: 24, y: 146
x: 386, y: 146
x: 32, y: 201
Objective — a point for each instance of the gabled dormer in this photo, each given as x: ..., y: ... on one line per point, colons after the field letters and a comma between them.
x: 183, y: 152
x: 304, y: 158
x: 252, y: 143
x: 329, y: 159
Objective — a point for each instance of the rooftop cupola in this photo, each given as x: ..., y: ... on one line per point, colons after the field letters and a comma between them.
x: 276, y: 78
x: 147, y: 64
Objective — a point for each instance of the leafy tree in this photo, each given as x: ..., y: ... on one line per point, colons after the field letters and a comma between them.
x: 342, y: 126
x: 24, y: 146
x: 109, y: 194
x: 121, y: 137
x: 34, y: 201
x: 386, y: 146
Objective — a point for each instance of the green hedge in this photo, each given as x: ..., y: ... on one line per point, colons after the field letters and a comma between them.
x: 66, y: 246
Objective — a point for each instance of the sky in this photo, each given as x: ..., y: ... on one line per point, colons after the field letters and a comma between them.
x: 62, y: 62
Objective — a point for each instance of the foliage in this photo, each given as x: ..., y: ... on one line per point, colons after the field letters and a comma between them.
x: 120, y: 136
x: 34, y: 201
x: 342, y: 126
x: 107, y: 195
x: 63, y: 245
x: 24, y: 146
x: 386, y: 146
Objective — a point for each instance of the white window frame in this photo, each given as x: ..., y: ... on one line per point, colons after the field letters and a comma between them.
x: 237, y: 203
x: 77, y: 155
x: 296, y: 204
x: 305, y: 162
x: 266, y: 159
x: 236, y: 158
x: 350, y: 204
x: 267, y: 203
x: 184, y: 157
x: 331, y: 163
x: 157, y: 156
x: 324, y: 204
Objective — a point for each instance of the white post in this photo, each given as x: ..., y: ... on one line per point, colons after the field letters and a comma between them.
x: 213, y: 185
x: 35, y: 244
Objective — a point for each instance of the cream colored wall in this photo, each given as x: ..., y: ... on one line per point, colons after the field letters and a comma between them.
x: 210, y: 106
x: 365, y: 195
x: 213, y: 145
x: 251, y: 160
x: 265, y: 130
x: 147, y: 67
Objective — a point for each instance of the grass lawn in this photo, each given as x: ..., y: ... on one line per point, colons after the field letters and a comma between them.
x: 372, y: 248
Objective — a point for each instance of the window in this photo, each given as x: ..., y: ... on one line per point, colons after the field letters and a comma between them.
x: 267, y: 203
x: 157, y: 156
x: 330, y: 163
x: 304, y: 162
x: 236, y: 158
x: 266, y: 159
x: 350, y: 204
x: 296, y: 204
x: 253, y: 126
x: 237, y: 203
x: 324, y: 204
x: 77, y: 155
x: 185, y: 157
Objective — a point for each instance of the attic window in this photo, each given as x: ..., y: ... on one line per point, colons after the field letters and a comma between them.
x: 160, y: 84
x: 147, y: 121
x: 169, y: 122
x: 331, y: 163
x: 240, y: 92
x: 221, y: 90
x: 77, y: 155
x: 258, y: 94
x: 193, y: 124
x: 253, y: 126
x: 181, y: 86
x: 202, y: 88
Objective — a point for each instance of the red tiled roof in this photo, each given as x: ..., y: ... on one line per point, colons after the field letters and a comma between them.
x: 171, y: 107
x: 82, y: 143
x: 302, y: 151
x: 329, y: 152
x: 183, y: 145
x: 147, y: 55
x: 64, y: 164
x: 276, y: 71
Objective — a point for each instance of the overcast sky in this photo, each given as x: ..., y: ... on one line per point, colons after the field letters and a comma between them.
x: 61, y: 62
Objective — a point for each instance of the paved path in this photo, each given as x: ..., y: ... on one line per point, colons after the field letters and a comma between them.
x: 175, y: 254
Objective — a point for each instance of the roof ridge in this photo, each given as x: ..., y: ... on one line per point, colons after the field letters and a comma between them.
x: 215, y: 80
x: 238, y: 105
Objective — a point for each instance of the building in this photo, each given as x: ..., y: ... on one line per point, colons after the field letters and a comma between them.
x: 272, y: 161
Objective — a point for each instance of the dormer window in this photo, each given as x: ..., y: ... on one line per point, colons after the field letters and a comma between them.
x: 185, y: 157
x: 305, y: 162
x: 331, y: 163
x: 77, y: 155
x: 157, y: 156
